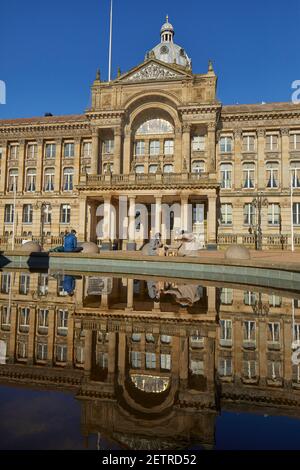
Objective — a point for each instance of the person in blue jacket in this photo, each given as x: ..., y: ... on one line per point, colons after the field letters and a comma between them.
x: 70, y: 243
x: 69, y: 284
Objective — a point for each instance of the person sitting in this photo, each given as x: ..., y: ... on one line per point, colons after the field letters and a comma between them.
x: 70, y: 243
x: 154, y: 244
x: 69, y: 284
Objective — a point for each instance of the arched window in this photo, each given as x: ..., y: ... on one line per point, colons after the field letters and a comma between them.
x: 155, y: 126
x: 168, y: 168
x: 198, y: 166
x: 31, y: 180
x: 68, y: 179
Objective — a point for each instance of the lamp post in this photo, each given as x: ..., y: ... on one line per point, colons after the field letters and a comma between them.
x: 42, y: 206
x: 259, y: 307
x: 259, y: 202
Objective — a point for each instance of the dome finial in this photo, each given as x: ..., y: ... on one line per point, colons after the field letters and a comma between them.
x: 167, y: 18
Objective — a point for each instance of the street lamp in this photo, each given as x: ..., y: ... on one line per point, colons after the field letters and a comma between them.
x: 259, y: 307
x: 42, y: 205
x: 259, y: 202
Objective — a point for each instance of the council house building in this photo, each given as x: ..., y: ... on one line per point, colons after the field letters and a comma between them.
x: 154, y: 137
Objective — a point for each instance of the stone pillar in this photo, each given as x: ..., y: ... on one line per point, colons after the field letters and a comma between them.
x: 130, y: 283
x: 211, y: 144
x: 58, y: 165
x: 117, y: 150
x: 183, y: 356
x: 39, y: 165
x: 158, y: 214
x: 237, y: 182
x: 82, y: 219
x: 122, y: 355
x: 3, y: 163
x: 262, y: 348
x: 70, y: 340
x: 106, y: 243
x: 31, y: 336
x: 95, y: 152
x: 211, y: 300
x: 77, y: 150
x: 186, y: 148
x: 131, y: 245
x: 51, y: 336
x: 184, y: 212
x: 88, y: 343
x: 178, y: 157
x: 285, y: 163
x: 260, y: 170
x: 21, y: 166
x: 13, y: 333
x: 111, y: 356
x: 287, y: 344
x: 127, y: 152
x: 211, y: 222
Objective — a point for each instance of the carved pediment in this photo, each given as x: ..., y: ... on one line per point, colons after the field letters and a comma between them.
x: 153, y: 70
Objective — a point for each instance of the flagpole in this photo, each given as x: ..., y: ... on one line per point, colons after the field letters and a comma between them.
x: 292, y: 218
x: 110, y: 40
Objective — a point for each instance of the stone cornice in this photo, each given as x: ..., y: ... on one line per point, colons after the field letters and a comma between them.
x: 32, y: 129
x: 105, y: 115
x: 259, y: 116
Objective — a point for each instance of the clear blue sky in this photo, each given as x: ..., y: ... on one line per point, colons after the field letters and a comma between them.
x: 50, y: 50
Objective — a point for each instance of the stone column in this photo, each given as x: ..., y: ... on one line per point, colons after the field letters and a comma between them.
x: 51, y: 336
x: 285, y: 163
x: 39, y: 165
x: 237, y: 182
x: 21, y: 166
x: 13, y: 334
x: 88, y: 343
x: 3, y: 163
x: 178, y: 157
x: 117, y: 150
x: 121, y: 355
x: 211, y: 144
x: 158, y: 214
x: 58, y: 164
x: 31, y: 336
x: 131, y: 245
x: 82, y: 219
x: 130, y: 283
x: 262, y: 349
x: 287, y: 342
x: 127, y: 152
x: 77, y: 150
x: 111, y: 356
x: 184, y: 211
x: 260, y: 170
x: 186, y: 147
x: 70, y: 340
x: 211, y: 223
x: 106, y: 243
x: 95, y: 152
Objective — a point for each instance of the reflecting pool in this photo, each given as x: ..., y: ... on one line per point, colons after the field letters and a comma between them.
x: 93, y: 361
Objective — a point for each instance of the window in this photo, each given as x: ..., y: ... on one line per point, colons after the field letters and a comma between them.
x: 197, y: 367
x: 150, y: 360
x: 225, y: 332
x: 168, y: 169
x: 13, y: 180
x: 32, y: 151
x: 249, y: 329
x: 62, y: 322
x: 274, y: 214
x: 24, y: 319
x: 248, y: 171
x: 165, y: 361
x: 249, y: 143
x: 27, y: 214
x: 5, y: 283
x: 249, y: 369
x: 65, y: 213
x: 79, y: 355
x: 136, y: 337
x: 152, y: 168
x: 47, y: 214
x: 249, y: 214
x: 43, y: 320
x: 108, y: 146
x: 139, y: 169
x: 154, y: 147
x: 249, y: 298
x: 272, y: 175
x: 198, y: 143
x: 49, y: 179
x: 198, y: 166
x: 14, y: 152
x: 296, y: 213
x: 165, y: 339
x: 102, y: 360
x: 169, y: 147
x: 294, y: 141
x: 87, y: 149
x: 155, y: 126
x: 226, y: 214
x: 24, y: 283
x: 22, y: 350
x: 42, y: 351
x: 140, y: 148
x: 296, y: 335
x: 108, y: 168
x: 61, y: 353
x: 274, y: 370
x: 69, y: 150
x: 295, y: 174
x: 225, y: 367
x: 9, y: 214
x: 1, y: 152
x: 226, y: 296
x: 68, y: 179
x: 273, y: 332
x: 272, y: 142
x: 50, y: 150
x: 136, y: 359
x: 274, y: 300
x: 5, y: 318
x: 226, y: 175
x: 43, y: 284
x: 226, y: 144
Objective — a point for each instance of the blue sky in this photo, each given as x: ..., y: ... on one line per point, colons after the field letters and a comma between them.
x: 49, y: 51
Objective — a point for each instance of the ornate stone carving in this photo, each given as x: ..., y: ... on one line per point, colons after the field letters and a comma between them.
x: 261, y: 132
x: 153, y: 72
x: 237, y: 133
x: 285, y: 131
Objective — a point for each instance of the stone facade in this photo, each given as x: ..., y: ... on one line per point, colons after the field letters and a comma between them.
x: 159, y: 136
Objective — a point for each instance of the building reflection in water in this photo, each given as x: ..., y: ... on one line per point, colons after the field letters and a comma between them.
x: 152, y: 362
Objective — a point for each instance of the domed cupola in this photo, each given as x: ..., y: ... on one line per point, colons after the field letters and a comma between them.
x: 167, y: 51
